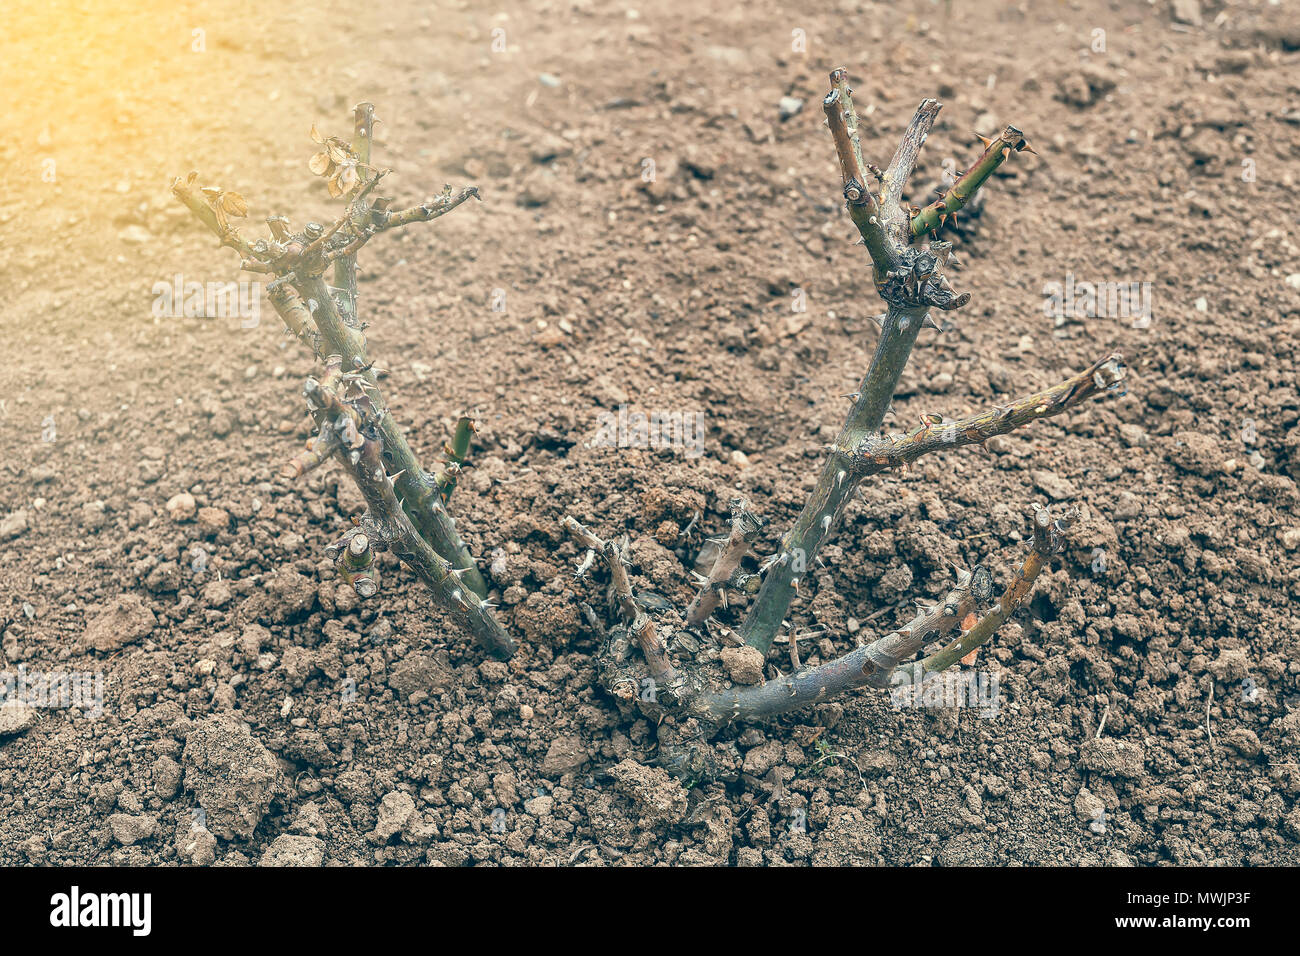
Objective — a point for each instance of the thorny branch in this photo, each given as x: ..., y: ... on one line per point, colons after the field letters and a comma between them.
x: 345, y: 266
x: 878, y: 664
x: 1049, y: 539
x: 933, y: 216
x: 407, y: 508
x: 863, y: 206
x: 726, y: 573
x: 342, y: 402
x: 870, y: 665
x: 937, y: 434
x: 911, y: 281
x: 640, y: 623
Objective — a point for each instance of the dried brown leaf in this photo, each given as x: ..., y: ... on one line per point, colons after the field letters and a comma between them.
x: 234, y: 204
x: 320, y: 164
x: 347, y: 176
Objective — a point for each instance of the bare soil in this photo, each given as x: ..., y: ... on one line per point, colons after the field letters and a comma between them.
x: 255, y: 711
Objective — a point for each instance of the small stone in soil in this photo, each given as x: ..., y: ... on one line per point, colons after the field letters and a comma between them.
x: 181, y: 507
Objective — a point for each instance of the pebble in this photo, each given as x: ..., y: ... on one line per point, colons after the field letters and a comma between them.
x: 1197, y: 453
x: 394, y: 810
x: 548, y: 337
x: 1088, y: 806
x: 16, y: 718
x: 181, y: 507
x: 565, y: 755
x: 120, y: 622
x: 1243, y: 740
x: 1111, y: 757
x: 289, y: 849
x: 539, y: 806
x: 789, y: 106
x: 11, y: 526
x: 195, y: 844
x: 536, y: 192
x: 1054, y: 485
x: 128, y: 829
x: 213, y: 520
x: 1133, y: 435
x: 1187, y: 11
x: 232, y: 775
